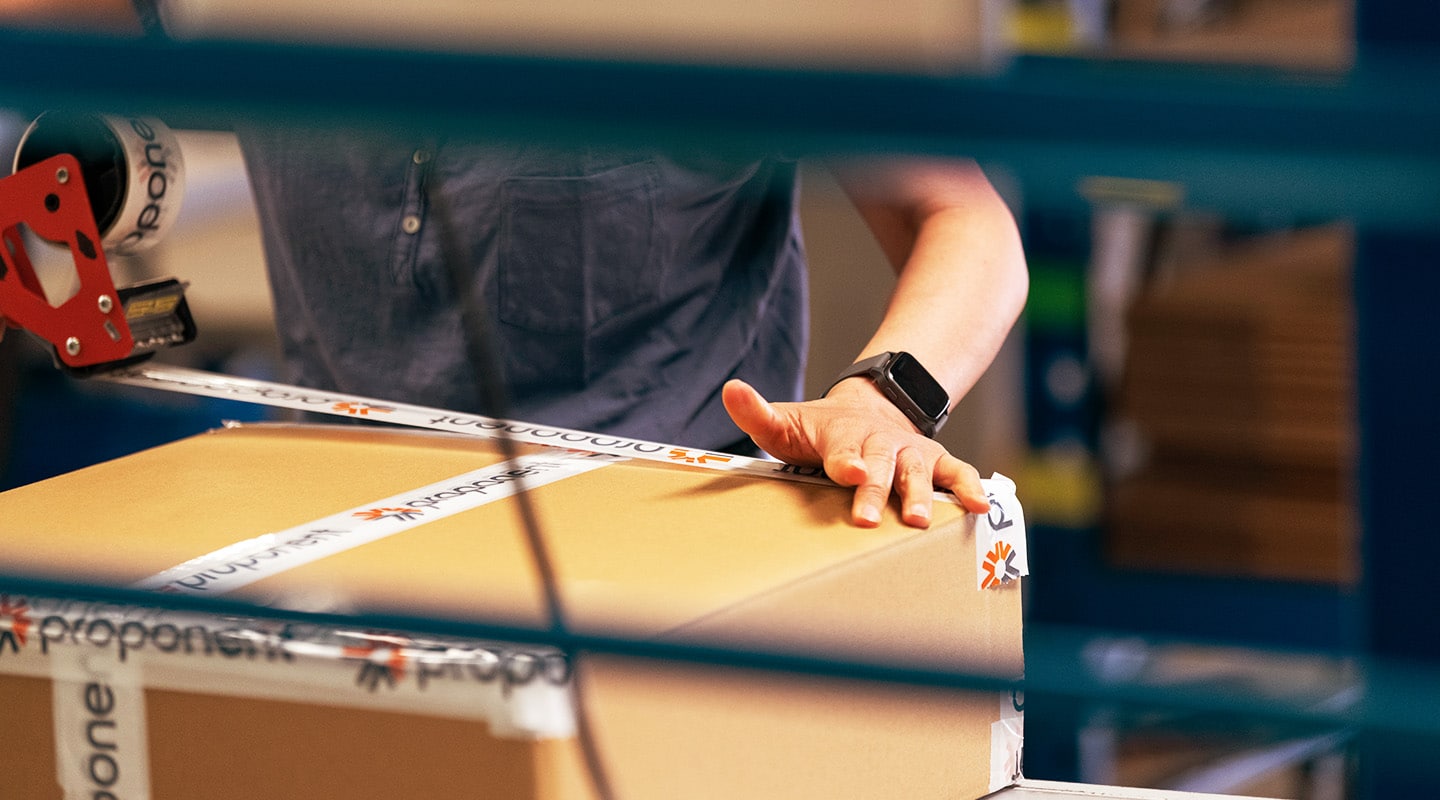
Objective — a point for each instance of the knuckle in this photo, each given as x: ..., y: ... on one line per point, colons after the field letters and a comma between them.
x: 962, y: 470
x: 914, y: 469
x: 872, y: 495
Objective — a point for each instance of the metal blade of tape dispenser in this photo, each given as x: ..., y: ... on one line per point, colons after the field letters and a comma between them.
x: 158, y: 317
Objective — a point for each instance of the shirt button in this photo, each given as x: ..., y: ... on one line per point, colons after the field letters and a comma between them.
x: 420, y: 156
x: 410, y: 224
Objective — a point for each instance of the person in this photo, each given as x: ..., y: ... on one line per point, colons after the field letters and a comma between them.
x: 658, y: 295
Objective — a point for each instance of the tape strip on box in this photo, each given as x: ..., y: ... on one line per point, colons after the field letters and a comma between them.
x: 100, y: 658
x: 1007, y: 739
x: 246, y: 562
x: 1001, y: 554
x: 207, y: 384
x: 522, y: 692
x: 100, y: 739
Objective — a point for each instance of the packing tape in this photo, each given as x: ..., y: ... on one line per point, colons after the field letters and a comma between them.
x: 1007, y: 740
x: 1001, y: 554
x: 277, y: 395
x: 251, y: 560
x: 102, y: 656
x: 101, y: 748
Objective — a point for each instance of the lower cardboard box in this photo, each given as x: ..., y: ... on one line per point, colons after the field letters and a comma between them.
x: 102, y: 700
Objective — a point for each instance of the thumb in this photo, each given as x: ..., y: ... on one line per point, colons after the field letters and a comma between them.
x: 752, y: 413
x: 770, y: 426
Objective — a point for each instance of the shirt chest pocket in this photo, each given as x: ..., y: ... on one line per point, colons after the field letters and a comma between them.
x: 576, y: 252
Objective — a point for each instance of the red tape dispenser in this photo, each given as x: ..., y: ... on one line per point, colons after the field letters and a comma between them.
x: 99, y: 327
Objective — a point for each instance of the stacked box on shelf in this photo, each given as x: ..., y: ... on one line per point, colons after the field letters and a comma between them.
x: 1239, y: 381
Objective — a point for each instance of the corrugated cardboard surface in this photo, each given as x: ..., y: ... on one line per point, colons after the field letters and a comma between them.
x: 1240, y: 385
x: 250, y: 751
x: 27, y: 766
x: 676, y: 732
x: 648, y: 550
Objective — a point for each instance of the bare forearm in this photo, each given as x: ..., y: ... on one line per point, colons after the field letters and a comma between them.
x: 962, y: 278
x: 961, y: 284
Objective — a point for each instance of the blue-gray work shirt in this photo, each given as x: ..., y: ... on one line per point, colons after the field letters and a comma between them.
x: 622, y: 288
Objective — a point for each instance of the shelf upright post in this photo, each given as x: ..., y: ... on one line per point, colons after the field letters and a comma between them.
x: 1397, y: 288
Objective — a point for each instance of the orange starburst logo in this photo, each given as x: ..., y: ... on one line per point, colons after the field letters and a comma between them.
x: 401, y: 513
x: 15, y: 622
x: 692, y: 457
x: 358, y: 409
x: 378, y: 664
x: 999, y: 566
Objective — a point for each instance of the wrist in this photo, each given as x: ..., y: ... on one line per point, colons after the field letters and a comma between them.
x: 866, y: 398
x: 901, y: 382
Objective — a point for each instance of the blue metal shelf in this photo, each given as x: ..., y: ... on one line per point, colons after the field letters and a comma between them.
x: 1362, y: 144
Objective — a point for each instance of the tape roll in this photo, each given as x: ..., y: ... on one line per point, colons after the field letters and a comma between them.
x: 133, y: 170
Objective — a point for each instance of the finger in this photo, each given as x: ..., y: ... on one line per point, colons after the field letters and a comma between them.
x: 846, y: 466
x: 873, y: 493
x: 916, y: 487
x: 963, y: 481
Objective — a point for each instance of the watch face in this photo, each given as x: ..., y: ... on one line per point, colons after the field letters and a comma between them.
x: 928, y: 394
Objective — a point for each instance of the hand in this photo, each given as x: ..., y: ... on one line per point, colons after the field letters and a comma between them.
x: 861, y: 440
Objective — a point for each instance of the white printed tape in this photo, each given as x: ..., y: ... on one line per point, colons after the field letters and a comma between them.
x: 246, y: 562
x: 207, y: 384
x: 1001, y: 555
x: 101, y: 749
x: 1007, y: 740
x: 101, y: 655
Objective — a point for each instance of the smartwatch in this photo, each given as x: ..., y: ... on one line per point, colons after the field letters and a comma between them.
x: 908, y: 385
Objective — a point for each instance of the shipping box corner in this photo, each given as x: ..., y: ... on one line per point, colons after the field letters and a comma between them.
x: 412, y: 525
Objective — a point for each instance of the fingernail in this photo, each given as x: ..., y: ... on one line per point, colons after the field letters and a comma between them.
x: 920, y: 513
x: 870, y: 515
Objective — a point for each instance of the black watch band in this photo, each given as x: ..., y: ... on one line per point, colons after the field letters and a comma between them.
x: 907, y: 384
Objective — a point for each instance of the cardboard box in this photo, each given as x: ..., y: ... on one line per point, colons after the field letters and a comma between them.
x: 1240, y: 387
x: 224, y: 708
